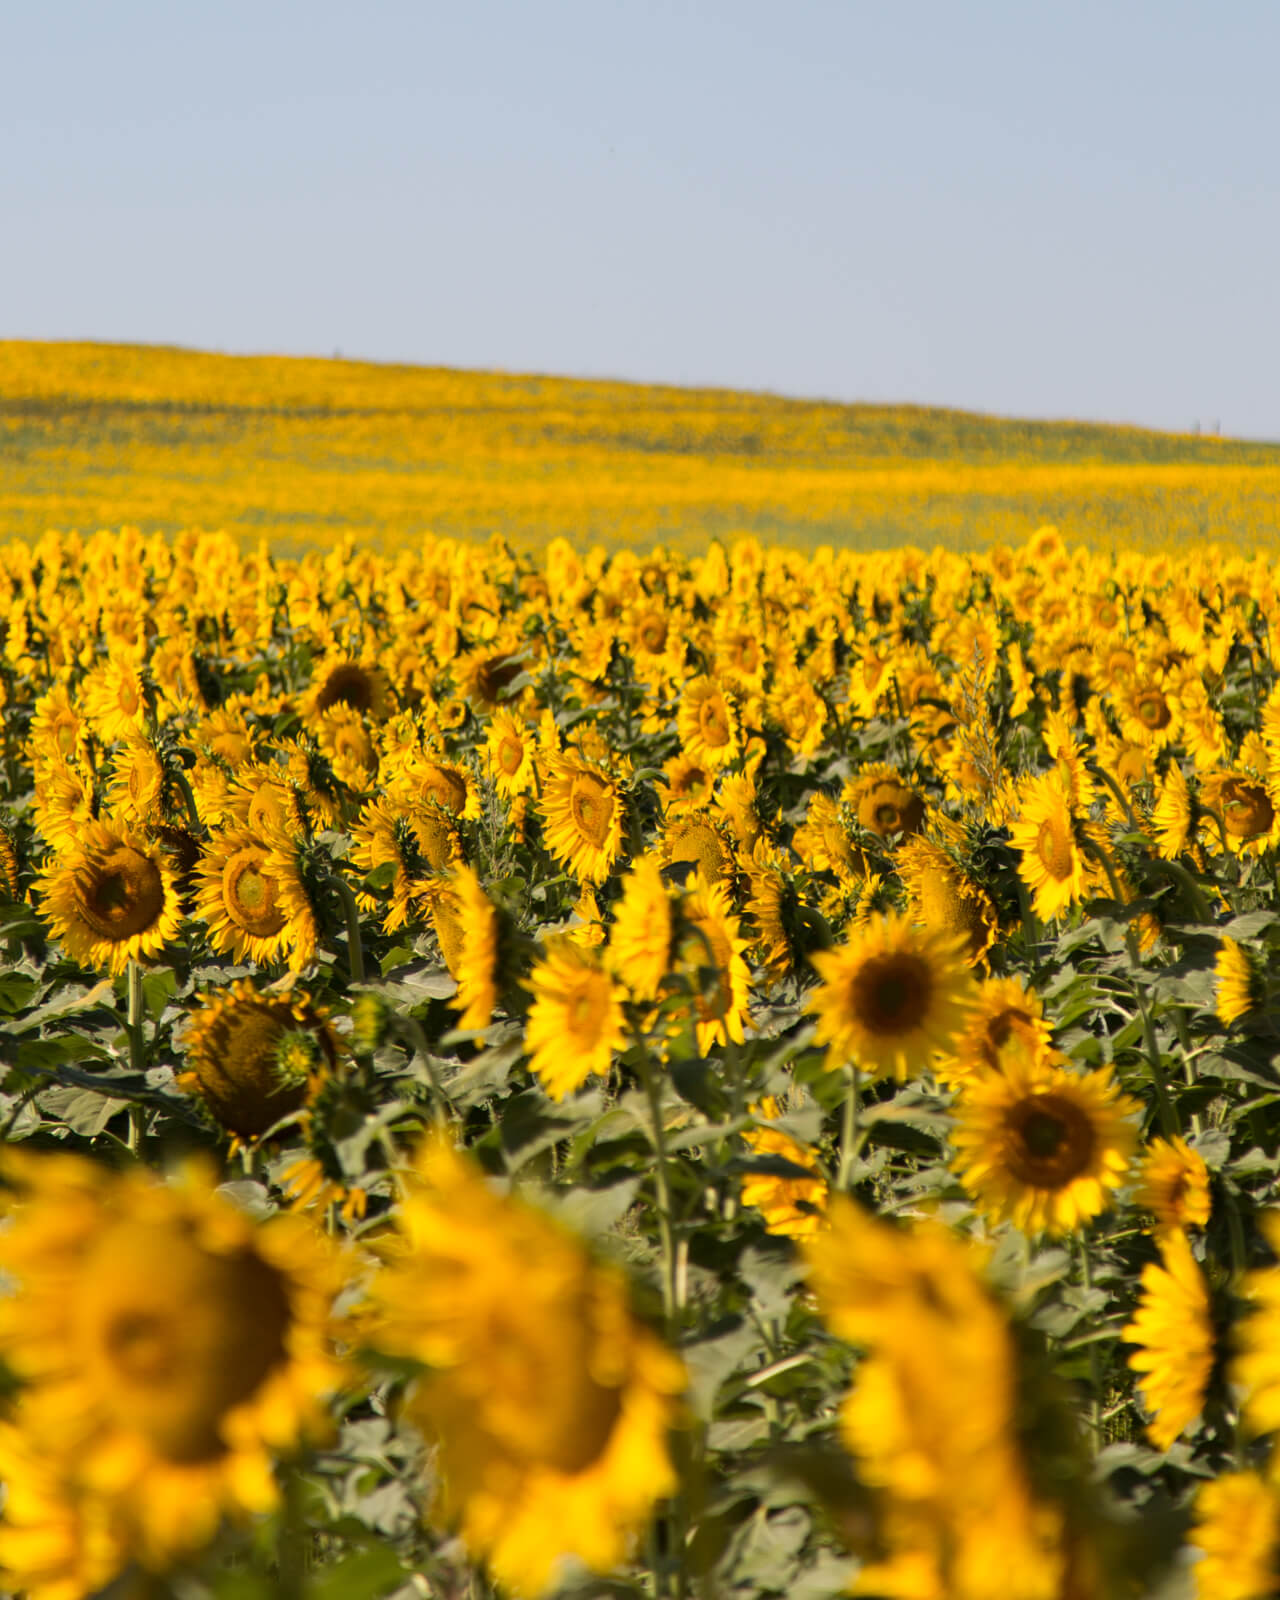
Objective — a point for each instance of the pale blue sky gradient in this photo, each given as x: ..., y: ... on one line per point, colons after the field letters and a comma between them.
x: 1035, y: 209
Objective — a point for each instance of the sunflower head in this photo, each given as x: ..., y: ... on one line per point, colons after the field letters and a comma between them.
x: 254, y: 1058
x: 575, y: 1023
x: 884, y: 804
x: 945, y: 897
x: 583, y: 812
x: 1041, y: 1145
x: 891, y: 998
x: 343, y: 680
x: 1174, y: 1185
x: 113, y: 899
x: 643, y: 932
x: 1242, y: 984
x: 696, y: 838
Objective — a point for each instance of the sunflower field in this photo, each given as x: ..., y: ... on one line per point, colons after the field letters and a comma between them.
x: 724, y: 1075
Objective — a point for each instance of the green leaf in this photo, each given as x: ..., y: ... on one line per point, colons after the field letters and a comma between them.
x: 365, y: 1574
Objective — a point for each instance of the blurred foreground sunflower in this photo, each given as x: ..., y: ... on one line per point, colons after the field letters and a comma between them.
x: 550, y: 1403
x: 158, y: 1398
x: 1238, y: 1535
x: 1173, y: 1331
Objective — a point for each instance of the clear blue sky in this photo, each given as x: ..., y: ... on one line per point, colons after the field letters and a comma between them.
x: 1047, y: 209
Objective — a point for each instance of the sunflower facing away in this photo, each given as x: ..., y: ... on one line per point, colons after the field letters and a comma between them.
x: 550, y: 1403
x: 113, y: 898
x: 1257, y: 1366
x: 1040, y: 1145
x: 945, y: 897
x: 1173, y: 1331
x: 575, y: 1022
x: 477, y: 947
x: 255, y: 1057
x: 158, y: 1398
x: 891, y: 998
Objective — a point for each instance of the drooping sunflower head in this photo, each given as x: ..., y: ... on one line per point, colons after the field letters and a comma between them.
x: 1174, y: 1184
x: 1041, y: 1145
x: 113, y: 898
x: 170, y: 1346
x: 884, y: 804
x: 486, y: 951
x: 943, y: 896
x: 255, y: 1057
x: 344, y: 680
x: 892, y: 998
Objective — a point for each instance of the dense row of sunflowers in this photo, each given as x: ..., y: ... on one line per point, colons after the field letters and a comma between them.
x: 751, y: 1075
x: 295, y: 451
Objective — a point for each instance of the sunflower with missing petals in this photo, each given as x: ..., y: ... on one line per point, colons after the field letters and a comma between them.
x: 1053, y: 865
x: 1040, y: 1145
x: 160, y: 1397
x: 549, y: 1402
x: 575, y: 1023
x: 583, y: 814
x: 945, y: 897
x: 254, y: 1057
x: 1173, y: 1331
x: 250, y: 893
x: 1241, y: 982
x: 643, y: 932
x: 1004, y: 1009
x: 711, y: 952
x: 112, y: 899
x: 891, y: 998
x: 1237, y: 1533
x: 1174, y: 1184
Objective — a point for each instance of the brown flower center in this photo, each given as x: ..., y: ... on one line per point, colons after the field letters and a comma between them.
x: 249, y: 894
x: 446, y: 788
x: 348, y: 685
x: 1246, y: 810
x: 888, y: 807
x: 236, y: 1065
x: 713, y: 721
x: 1049, y: 1140
x: 890, y: 994
x: 1153, y: 710
x: 123, y: 894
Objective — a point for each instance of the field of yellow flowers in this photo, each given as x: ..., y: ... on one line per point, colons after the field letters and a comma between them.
x: 738, y: 1075
x: 309, y: 453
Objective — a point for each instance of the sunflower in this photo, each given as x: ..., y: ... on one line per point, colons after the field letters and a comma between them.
x: 736, y: 801
x: 138, y: 783
x: 254, y: 1057
x: 549, y: 1402
x: 1250, y: 823
x: 478, y: 960
x: 883, y: 803
x: 892, y: 997
x: 113, y: 899
x: 510, y: 754
x: 708, y: 724
x: 1149, y: 712
x: 1175, y: 816
x: 1053, y: 865
x: 55, y: 1544
x: 1004, y: 1009
x: 575, y: 1022
x: 1040, y: 1145
x: 711, y: 951
x: 345, y: 680
x: 1257, y: 1367
x: 932, y: 1419
x: 688, y: 784
x: 114, y: 697
x: 252, y: 897
x: 699, y: 839
x: 58, y: 732
x: 792, y: 1206
x: 413, y: 839
x: 583, y: 813
x: 161, y: 1395
x: 1174, y: 1184
x: 1238, y: 1535
x: 433, y: 780
x: 640, y: 942
x: 945, y: 897
x: 1242, y: 985
x: 345, y: 742
x: 1173, y: 1331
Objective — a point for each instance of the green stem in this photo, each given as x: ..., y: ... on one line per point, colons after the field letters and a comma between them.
x: 1095, y: 1374
x: 666, y: 1233
x: 134, y: 1023
x: 355, y: 950
x: 849, y: 1131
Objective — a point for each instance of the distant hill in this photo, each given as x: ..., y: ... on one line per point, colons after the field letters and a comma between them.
x: 312, y: 451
